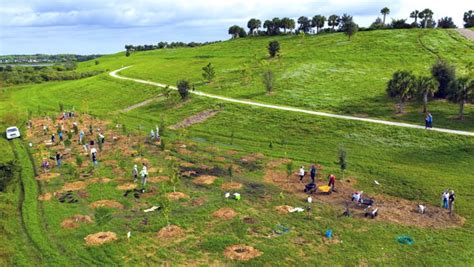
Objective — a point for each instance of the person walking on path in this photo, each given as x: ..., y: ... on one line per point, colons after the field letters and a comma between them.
x: 301, y: 173
x: 135, y: 173
x: 144, y: 175
x: 332, y: 182
x: 452, y: 197
x: 58, y: 159
x: 313, y: 173
x: 430, y: 120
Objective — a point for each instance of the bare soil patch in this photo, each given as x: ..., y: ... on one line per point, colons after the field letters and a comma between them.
x: 127, y: 186
x: 158, y: 179
x: 205, y: 180
x: 197, y: 118
x: 392, y: 209
x: 225, y: 213
x: 184, y: 151
x: 47, y: 176
x: 107, y: 204
x: 241, y: 252
x: 100, y: 238
x: 198, y: 201
x: 170, y: 231
x: 74, y: 186
x: 101, y: 180
x: 252, y: 158
x: 141, y: 160
x: 73, y: 222
x: 186, y: 165
x: 45, y: 197
x: 231, y: 186
x: 284, y: 209
x: 177, y: 196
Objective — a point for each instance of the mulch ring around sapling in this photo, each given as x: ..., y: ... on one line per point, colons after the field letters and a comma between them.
x: 284, y: 209
x: 177, y: 196
x: 100, y: 238
x: 170, y: 231
x: 205, y: 180
x: 241, y: 252
x: 47, y: 176
x: 126, y: 186
x: 73, y: 222
x: 158, y: 179
x: 107, y: 204
x: 45, y: 197
x: 225, y: 213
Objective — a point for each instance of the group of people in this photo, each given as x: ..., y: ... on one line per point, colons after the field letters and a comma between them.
x: 313, y: 172
x: 155, y: 134
x: 143, y: 174
x: 67, y: 115
x: 448, y: 198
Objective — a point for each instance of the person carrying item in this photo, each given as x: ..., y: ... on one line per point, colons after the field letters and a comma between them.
x: 332, y: 182
x: 452, y: 197
x: 135, y: 173
x: 94, y: 159
x: 313, y: 173
x: 58, y: 159
x: 301, y: 173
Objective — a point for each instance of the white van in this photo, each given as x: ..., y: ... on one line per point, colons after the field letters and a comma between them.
x: 12, y: 132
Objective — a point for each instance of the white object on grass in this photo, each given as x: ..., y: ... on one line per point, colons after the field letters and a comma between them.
x: 151, y: 209
x: 129, y: 234
x: 227, y: 195
x: 310, y: 200
x: 376, y: 182
x: 297, y: 209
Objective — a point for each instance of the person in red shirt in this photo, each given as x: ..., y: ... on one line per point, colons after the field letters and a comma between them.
x: 332, y: 181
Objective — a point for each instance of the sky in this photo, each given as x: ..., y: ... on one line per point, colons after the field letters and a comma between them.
x: 105, y: 26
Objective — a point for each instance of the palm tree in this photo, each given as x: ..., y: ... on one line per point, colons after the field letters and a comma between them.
x: 285, y: 23
x: 268, y: 24
x: 318, y: 22
x: 253, y: 25
x: 462, y: 91
x: 426, y: 86
x: 333, y: 21
x: 426, y: 15
x: 414, y: 15
x: 385, y: 11
x: 402, y: 86
x: 291, y: 25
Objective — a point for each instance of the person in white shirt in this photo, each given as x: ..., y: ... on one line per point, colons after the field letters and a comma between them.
x: 301, y: 173
x: 135, y: 173
x: 144, y: 175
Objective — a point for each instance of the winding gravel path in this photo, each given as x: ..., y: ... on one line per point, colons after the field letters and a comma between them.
x: 467, y: 33
x: 292, y: 109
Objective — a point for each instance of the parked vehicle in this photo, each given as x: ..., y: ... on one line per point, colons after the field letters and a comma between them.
x: 12, y: 132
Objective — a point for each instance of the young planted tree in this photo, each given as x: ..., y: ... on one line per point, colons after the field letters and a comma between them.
x: 426, y: 87
x: 461, y: 92
x: 342, y: 160
x: 333, y: 21
x: 175, y: 175
x: 289, y: 170
x: 273, y: 48
x: 183, y: 89
x: 402, y: 86
x: 208, y: 72
x: 102, y: 216
x: 385, y: 11
x: 268, y: 80
x: 351, y: 29
x: 445, y: 74
x: 230, y: 172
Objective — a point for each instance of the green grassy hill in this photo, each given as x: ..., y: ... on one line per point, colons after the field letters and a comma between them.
x: 322, y: 73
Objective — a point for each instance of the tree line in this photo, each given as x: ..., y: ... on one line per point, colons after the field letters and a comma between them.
x: 335, y: 23
x: 443, y: 83
x: 163, y: 45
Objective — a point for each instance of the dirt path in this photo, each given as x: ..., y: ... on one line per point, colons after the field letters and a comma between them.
x: 141, y: 104
x: 466, y: 33
x: 292, y: 109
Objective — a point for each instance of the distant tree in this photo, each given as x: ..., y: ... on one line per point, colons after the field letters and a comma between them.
x: 427, y: 17
x: 385, y: 11
x: 333, y: 21
x: 291, y: 25
x: 445, y: 74
x: 208, y: 72
x: 276, y: 26
x: 377, y: 24
x: 286, y: 24
x: 344, y: 20
x: 183, y: 89
x: 97, y: 62
x: 414, y: 15
x: 236, y: 31
x: 318, y: 21
x: 342, y: 154
x: 468, y: 19
x: 273, y: 48
x: 268, y: 25
x: 268, y: 80
x: 351, y: 29
x: 401, y: 85
x: 461, y: 92
x: 305, y: 24
x: 254, y: 25
x: 399, y: 24
x: 426, y: 87
x: 446, y: 23
x: 127, y: 53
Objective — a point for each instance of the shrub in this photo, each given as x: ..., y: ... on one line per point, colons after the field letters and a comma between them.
x: 79, y: 160
x: 445, y: 74
x: 273, y: 48
x: 208, y: 72
x: 183, y: 89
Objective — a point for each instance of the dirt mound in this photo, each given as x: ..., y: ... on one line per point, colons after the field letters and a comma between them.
x: 184, y: 151
x: 158, y: 179
x: 198, y: 201
x: 250, y: 220
x: 225, y: 213
x: 127, y: 186
x: 47, y: 176
x: 284, y: 209
x: 73, y: 222
x: 252, y: 158
x: 153, y: 170
x: 241, y: 252
x: 170, y: 231
x: 100, y: 238
x: 392, y: 209
x: 186, y: 165
x: 231, y: 186
x: 106, y: 203
x: 205, y: 180
x: 197, y: 118
x: 277, y: 162
x: 69, y: 224
x: 177, y: 196
x: 45, y: 197
x: 74, y: 186
x: 102, y: 180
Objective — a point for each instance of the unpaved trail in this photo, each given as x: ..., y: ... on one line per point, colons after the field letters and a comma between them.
x: 141, y: 104
x: 292, y: 109
x: 466, y: 33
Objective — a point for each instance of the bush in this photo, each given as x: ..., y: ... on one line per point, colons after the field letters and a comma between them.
x: 445, y: 74
x: 183, y: 89
x: 273, y: 48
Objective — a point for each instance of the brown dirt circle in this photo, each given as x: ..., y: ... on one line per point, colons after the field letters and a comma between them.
x: 205, y: 180
x: 107, y: 204
x: 47, y: 176
x: 74, y: 186
x: 231, y: 186
x: 45, y: 197
x: 73, y: 222
x: 225, y: 213
x: 100, y: 238
x: 284, y: 209
x: 177, y: 196
x: 127, y: 186
x: 241, y: 252
x: 158, y: 179
x: 170, y: 231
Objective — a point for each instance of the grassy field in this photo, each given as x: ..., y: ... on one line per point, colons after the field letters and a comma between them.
x: 410, y: 164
